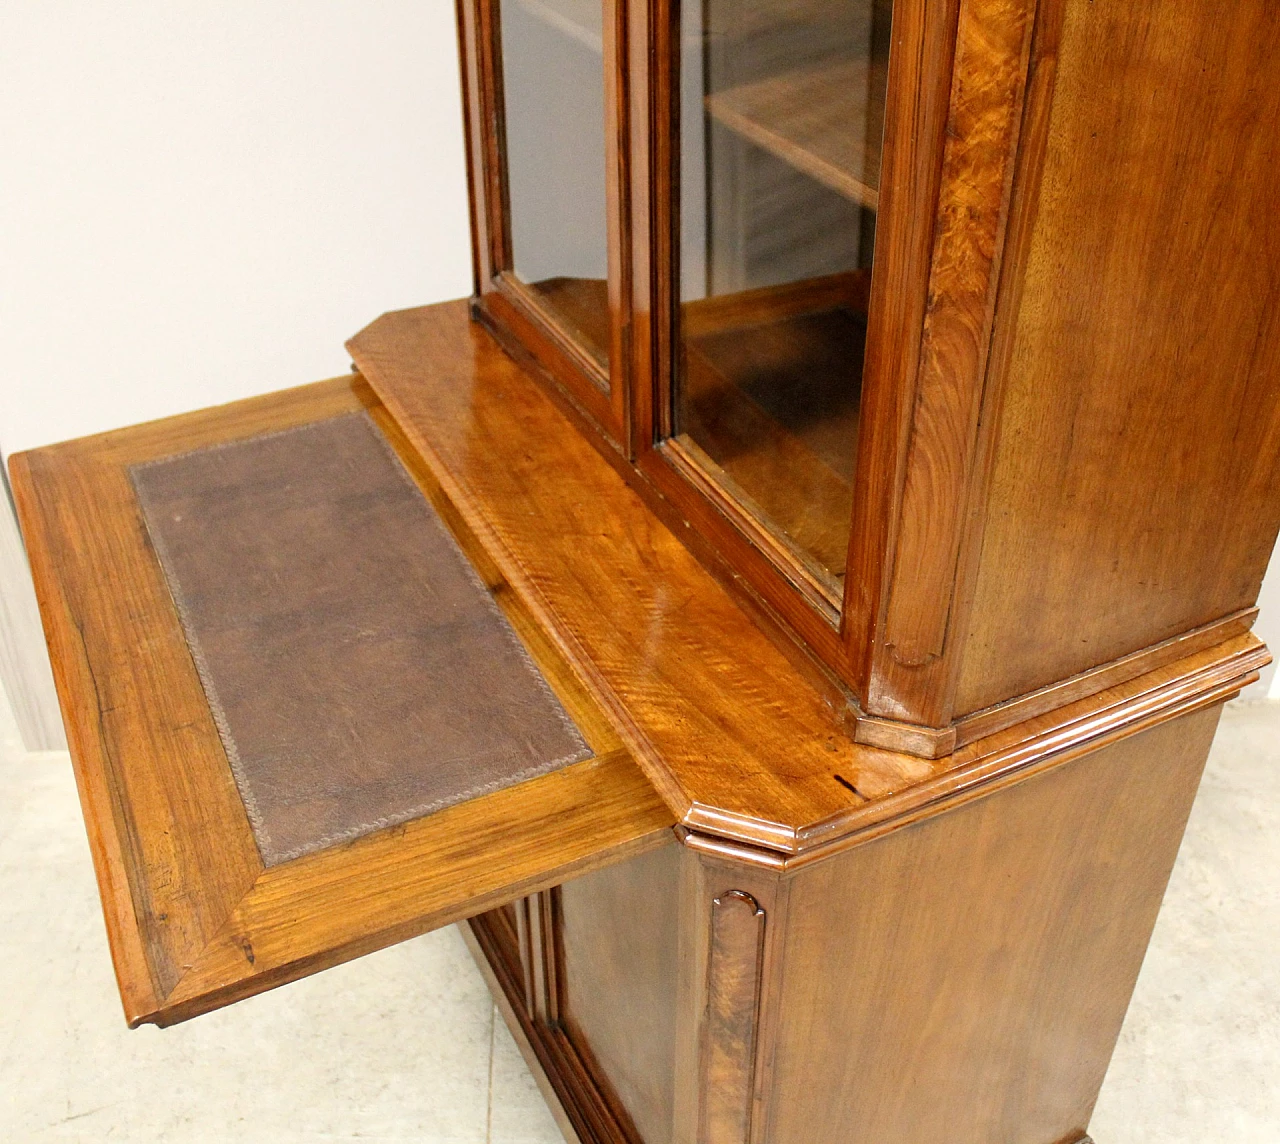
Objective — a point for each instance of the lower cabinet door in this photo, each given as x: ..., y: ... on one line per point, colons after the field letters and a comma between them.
x: 308, y: 717
x: 587, y: 975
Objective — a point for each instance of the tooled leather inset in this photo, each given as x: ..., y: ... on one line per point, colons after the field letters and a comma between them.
x: 358, y: 670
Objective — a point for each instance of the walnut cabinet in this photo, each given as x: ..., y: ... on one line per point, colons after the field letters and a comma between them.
x: 866, y: 429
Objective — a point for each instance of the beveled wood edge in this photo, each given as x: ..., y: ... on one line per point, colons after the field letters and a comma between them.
x: 193, y: 996
x: 1126, y: 710
x: 202, y: 988
x: 909, y: 738
x: 979, y: 724
x: 934, y: 742
x: 139, y: 992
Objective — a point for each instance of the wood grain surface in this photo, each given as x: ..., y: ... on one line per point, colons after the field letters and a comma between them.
x: 1135, y: 488
x: 193, y: 919
x: 733, y: 1000
x: 992, y: 42
x: 1065, y: 401
x: 736, y: 737
x: 619, y: 951
x: 917, y: 105
x: 965, y: 980
x: 803, y: 116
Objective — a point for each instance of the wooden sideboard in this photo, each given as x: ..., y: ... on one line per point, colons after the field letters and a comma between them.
x: 867, y: 421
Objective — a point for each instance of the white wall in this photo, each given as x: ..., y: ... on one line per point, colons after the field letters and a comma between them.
x: 200, y: 201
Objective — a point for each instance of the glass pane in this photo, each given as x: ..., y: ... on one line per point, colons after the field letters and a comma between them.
x: 553, y: 102
x: 782, y: 113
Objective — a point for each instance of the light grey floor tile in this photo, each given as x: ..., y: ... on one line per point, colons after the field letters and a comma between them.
x: 518, y: 1114
x: 393, y: 1047
x: 1199, y: 1055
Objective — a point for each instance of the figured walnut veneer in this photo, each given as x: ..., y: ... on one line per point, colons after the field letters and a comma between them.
x: 742, y: 742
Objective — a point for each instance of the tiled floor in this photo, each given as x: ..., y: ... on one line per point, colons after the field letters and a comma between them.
x: 404, y: 1045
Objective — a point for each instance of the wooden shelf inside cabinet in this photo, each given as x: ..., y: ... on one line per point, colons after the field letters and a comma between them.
x: 195, y: 917
x: 771, y: 400
x: 577, y: 19
x: 815, y: 119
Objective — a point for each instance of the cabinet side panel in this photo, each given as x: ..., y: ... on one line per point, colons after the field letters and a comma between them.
x: 618, y: 932
x: 965, y: 979
x: 1136, y: 486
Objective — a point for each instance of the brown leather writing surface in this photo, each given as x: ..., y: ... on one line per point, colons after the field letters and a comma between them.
x: 359, y: 672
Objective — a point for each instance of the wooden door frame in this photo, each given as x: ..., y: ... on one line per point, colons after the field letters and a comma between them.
x: 509, y: 307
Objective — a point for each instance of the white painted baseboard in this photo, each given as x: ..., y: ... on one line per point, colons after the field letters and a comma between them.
x: 24, y: 660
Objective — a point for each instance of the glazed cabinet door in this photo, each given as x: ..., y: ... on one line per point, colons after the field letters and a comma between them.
x: 546, y: 150
x: 794, y: 176
x: 781, y: 126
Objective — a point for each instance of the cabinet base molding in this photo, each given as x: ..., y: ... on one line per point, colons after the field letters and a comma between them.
x: 937, y: 742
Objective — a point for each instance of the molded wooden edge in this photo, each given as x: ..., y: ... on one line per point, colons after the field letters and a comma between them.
x: 1134, y: 710
x: 195, y: 999
x: 979, y: 724
x: 72, y: 676
x: 935, y: 742
x: 727, y: 836
x: 911, y: 739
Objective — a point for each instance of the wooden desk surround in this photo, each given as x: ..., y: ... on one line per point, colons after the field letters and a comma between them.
x: 898, y: 690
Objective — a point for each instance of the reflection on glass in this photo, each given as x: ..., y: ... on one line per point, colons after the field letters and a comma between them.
x: 553, y: 105
x: 782, y: 113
